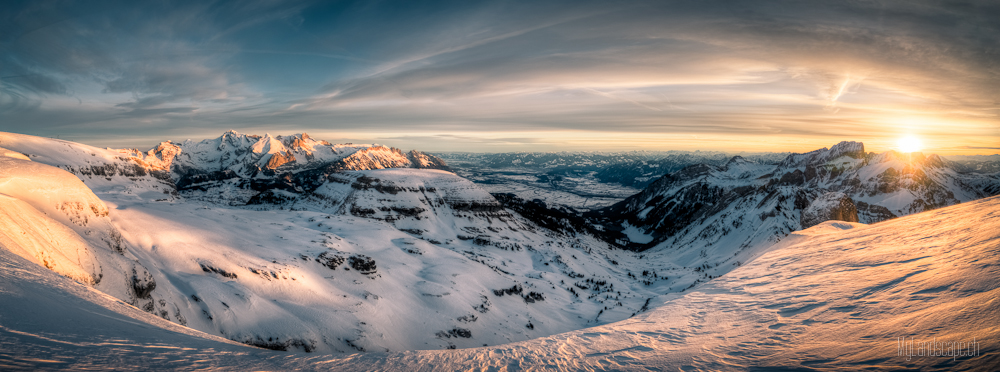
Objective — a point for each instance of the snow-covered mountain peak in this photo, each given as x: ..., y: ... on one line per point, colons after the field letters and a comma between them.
x: 843, y: 152
x: 268, y: 145
x: 736, y: 160
x: 158, y: 158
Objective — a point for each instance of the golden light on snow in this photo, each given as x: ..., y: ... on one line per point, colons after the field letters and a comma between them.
x: 909, y: 144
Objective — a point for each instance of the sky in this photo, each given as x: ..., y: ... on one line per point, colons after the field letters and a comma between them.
x: 507, y: 75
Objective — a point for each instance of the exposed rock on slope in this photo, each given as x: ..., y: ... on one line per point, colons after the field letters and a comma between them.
x: 835, y: 206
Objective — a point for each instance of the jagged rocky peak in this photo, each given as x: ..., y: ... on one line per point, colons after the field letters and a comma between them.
x: 253, y: 153
x: 831, y: 206
x: 851, y: 149
x: 422, y: 160
x: 847, y: 148
x: 231, y: 138
x: 268, y: 145
x: 278, y: 159
x: 376, y: 157
x: 158, y: 158
x: 736, y: 160
x: 298, y: 141
x: 274, y: 169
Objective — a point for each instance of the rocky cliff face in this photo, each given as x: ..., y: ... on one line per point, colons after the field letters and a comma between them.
x: 835, y: 206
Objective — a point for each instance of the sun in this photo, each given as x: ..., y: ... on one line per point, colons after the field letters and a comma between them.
x: 909, y: 144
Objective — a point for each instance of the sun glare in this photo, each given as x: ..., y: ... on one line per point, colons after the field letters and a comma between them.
x: 909, y: 144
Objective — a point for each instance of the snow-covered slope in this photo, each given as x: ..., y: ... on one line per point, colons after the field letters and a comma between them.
x: 102, y: 170
x: 49, y: 322
x: 838, y: 296
x: 51, y: 218
x: 363, y: 272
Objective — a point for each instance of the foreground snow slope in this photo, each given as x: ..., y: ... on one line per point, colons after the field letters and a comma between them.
x: 50, y: 322
x: 836, y: 296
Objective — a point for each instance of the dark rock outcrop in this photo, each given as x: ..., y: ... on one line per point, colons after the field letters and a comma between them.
x: 830, y: 206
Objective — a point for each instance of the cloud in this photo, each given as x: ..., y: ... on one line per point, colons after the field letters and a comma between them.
x: 733, y: 68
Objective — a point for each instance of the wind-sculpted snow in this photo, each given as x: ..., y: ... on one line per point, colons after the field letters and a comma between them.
x: 838, y: 296
x: 31, y: 233
x: 48, y: 322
